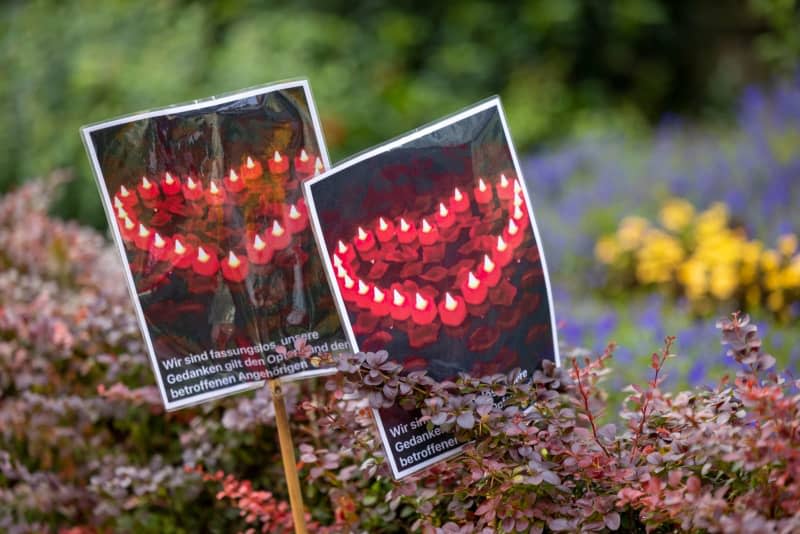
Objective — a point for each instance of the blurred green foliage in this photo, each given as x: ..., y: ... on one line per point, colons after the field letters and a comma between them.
x: 377, y: 68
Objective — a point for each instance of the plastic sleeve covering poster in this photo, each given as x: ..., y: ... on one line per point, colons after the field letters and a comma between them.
x: 432, y: 248
x: 205, y: 203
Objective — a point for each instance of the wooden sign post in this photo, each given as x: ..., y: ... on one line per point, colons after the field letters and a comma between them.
x: 287, y: 455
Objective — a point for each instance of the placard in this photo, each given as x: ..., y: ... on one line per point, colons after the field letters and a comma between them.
x: 432, y: 247
x: 205, y: 205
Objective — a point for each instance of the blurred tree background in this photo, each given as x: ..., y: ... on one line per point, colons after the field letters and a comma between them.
x: 377, y: 68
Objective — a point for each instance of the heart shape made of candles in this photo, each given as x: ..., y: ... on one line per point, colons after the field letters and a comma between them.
x: 179, y: 223
x: 451, y: 292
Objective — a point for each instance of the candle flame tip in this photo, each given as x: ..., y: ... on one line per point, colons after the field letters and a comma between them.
x: 146, y: 183
x: 362, y: 235
x: 258, y: 243
x: 277, y: 157
x: 250, y: 163
x: 277, y: 229
x: 488, y: 264
x: 426, y: 227
x: 449, y: 302
x: 303, y: 155
x: 377, y: 294
x: 503, y: 181
x: 179, y: 248
x: 232, y: 176
x: 293, y: 212
x: 202, y: 255
x: 481, y: 185
x: 443, y: 209
x: 457, y: 195
x: 397, y: 298
x: 159, y: 241
x: 501, y: 245
x: 472, y: 281
x: 404, y: 226
x: 233, y: 261
x: 420, y: 302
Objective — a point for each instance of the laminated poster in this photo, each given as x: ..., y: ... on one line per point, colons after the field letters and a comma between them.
x: 432, y: 248
x: 205, y: 203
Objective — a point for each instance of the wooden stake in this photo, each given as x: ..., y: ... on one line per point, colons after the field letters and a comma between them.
x: 287, y: 455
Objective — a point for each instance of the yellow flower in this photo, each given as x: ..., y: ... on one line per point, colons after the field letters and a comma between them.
x: 790, y: 276
x: 692, y: 274
x: 775, y: 301
x: 630, y: 232
x: 787, y: 244
x: 753, y: 296
x: 712, y: 220
x: 770, y: 260
x: 723, y: 281
x: 606, y: 249
x: 676, y: 214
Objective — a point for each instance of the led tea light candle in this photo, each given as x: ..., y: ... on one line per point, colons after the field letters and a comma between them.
x: 364, y: 240
x: 488, y: 272
x: 444, y: 218
x: 143, y: 237
x: 380, y: 303
x: 160, y: 247
x: 170, y: 185
x: 278, y: 164
x: 400, y: 308
x: 364, y: 294
x: 424, y: 310
x: 483, y: 193
x: 502, y: 252
x: 258, y: 252
x: 303, y: 163
x: 205, y: 263
x: 192, y: 189
x: 279, y: 238
x: 504, y: 188
x: 297, y: 217
x: 452, y: 310
x: 345, y: 252
x: 127, y: 197
x: 406, y: 233
x: 459, y: 203
x: 214, y: 196
x: 384, y: 230
x: 513, y: 233
x: 428, y: 235
x: 234, y: 268
x: 128, y: 229
x: 474, y: 290
x: 348, y: 286
x: 147, y: 189
x: 182, y: 252
x: 232, y: 182
x: 251, y: 169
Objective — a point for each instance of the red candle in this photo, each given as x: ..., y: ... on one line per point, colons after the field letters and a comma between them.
x: 127, y: 197
x: 364, y: 241
x: 428, y: 235
x: 502, y: 252
x: 488, y: 272
x: 459, y: 203
x: 128, y: 229
x: 250, y: 169
x: 192, y: 189
x: 319, y: 167
x: 483, y: 194
x: 234, y: 269
x: 400, y: 308
x: 520, y: 215
x: 444, y: 218
x: 473, y: 290
x: 504, y: 189
x: 279, y: 238
x: 147, y: 189
x: 348, y: 286
x: 345, y: 252
x: 160, y: 247
x: 143, y: 237
x: 278, y: 164
x: 182, y: 253
x: 297, y: 217
x: 380, y: 303
x: 232, y: 182
x: 406, y: 232
x: 257, y: 251
x: 363, y: 294
x: 170, y: 185
x: 385, y: 230
x: 214, y: 196
x: 452, y: 310
x: 303, y: 164
x: 513, y: 234
x: 424, y: 310
x: 204, y: 263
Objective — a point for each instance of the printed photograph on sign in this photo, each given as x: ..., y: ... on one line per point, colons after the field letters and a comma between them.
x: 205, y: 203
x: 431, y: 245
